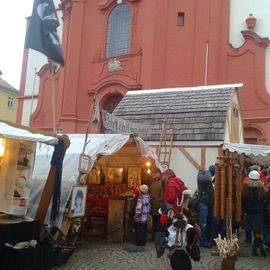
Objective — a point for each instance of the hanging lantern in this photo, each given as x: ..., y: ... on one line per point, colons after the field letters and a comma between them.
x: 2, y: 147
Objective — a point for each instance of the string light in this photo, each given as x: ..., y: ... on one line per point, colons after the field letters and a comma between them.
x: 148, y: 164
x: 2, y: 147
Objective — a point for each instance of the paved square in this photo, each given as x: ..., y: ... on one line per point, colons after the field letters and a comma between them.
x: 97, y: 254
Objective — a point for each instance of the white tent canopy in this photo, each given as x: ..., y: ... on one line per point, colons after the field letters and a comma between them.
x: 20, y: 133
x: 99, y: 144
x: 259, y: 154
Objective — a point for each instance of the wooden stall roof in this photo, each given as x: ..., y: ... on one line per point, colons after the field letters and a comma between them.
x: 196, y: 113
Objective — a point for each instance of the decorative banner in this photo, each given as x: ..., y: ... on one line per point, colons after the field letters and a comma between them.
x: 119, y: 125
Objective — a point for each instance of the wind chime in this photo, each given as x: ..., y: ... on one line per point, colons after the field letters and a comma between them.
x: 228, y: 188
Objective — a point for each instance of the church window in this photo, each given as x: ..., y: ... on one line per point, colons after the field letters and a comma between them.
x: 118, y: 33
x: 181, y: 19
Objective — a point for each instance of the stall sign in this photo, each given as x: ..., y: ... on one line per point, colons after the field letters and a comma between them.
x: 119, y: 125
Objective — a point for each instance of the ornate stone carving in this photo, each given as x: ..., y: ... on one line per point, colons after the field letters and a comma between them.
x: 114, y: 65
x: 65, y: 6
x: 250, y: 35
x: 251, y: 22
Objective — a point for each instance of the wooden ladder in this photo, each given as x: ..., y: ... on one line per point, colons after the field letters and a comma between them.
x: 165, y: 143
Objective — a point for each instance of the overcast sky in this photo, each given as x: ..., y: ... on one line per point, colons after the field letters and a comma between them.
x: 13, y: 24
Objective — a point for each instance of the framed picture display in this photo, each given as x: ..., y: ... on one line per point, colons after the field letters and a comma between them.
x: 115, y: 175
x: 78, y: 200
x: 134, y: 176
x: 94, y: 176
x: 85, y: 163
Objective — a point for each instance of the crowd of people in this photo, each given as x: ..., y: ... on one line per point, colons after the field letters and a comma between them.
x: 171, y: 227
x: 181, y: 226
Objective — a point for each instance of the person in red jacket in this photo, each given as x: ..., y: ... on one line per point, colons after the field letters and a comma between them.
x: 173, y: 193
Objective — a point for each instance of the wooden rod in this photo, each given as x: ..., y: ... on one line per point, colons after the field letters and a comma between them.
x: 222, y: 192
x: 230, y: 191
x: 217, y: 191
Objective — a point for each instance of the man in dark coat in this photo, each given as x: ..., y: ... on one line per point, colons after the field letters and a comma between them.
x: 206, y: 205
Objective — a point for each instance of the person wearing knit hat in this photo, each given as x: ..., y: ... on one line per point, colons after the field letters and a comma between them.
x: 253, y: 196
x: 212, y: 169
x: 254, y: 175
x: 253, y: 169
x: 143, y: 189
x: 142, y: 212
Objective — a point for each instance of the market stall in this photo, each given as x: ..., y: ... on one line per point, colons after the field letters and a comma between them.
x: 118, y: 163
x: 231, y: 167
x: 19, y: 235
x: 17, y: 151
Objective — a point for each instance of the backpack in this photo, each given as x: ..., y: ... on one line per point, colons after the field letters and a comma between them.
x: 183, y: 200
x: 194, y: 200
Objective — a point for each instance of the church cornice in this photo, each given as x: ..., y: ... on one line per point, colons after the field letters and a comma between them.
x: 259, y: 41
x: 103, y: 6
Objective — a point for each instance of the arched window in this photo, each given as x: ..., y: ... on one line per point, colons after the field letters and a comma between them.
x: 118, y: 34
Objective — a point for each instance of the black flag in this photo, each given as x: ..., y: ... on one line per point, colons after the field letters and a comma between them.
x: 42, y: 34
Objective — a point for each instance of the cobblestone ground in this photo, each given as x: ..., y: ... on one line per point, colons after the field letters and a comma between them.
x: 100, y: 255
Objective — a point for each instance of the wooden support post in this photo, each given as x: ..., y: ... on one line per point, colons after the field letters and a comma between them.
x: 222, y: 191
x: 46, y: 196
x: 217, y: 191
x: 238, y: 194
x: 49, y: 188
x: 230, y: 191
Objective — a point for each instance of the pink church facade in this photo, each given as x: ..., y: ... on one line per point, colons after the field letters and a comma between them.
x: 111, y: 47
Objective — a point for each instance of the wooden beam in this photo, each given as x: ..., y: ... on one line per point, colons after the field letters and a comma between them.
x: 203, y: 150
x: 189, y: 158
x: 46, y: 196
x: 49, y: 188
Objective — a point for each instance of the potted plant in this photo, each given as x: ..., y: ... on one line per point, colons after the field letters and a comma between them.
x: 228, y: 249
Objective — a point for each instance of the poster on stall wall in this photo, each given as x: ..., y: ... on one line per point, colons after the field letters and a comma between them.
x: 15, y: 172
x: 20, y: 197
x: 23, y: 181
x: 8, y: 167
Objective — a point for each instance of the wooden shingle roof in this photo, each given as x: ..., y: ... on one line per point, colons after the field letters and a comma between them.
x: 196, y: 114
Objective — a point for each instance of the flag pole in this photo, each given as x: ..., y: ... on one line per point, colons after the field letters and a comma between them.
x: 53, y: 97
x: 89, y: 123
x: 32, y: 98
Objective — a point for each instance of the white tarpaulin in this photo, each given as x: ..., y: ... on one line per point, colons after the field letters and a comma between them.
x: 11, y: 132
x: 257, y: 153
x: 99, y: 144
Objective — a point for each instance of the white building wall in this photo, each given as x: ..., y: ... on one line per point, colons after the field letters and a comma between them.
x: 185, y: 170
x: 240, y: 10
x: 26, y: 111
x: 211, y: 155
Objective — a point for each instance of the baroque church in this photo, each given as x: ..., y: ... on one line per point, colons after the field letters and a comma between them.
x: 114, y: 46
